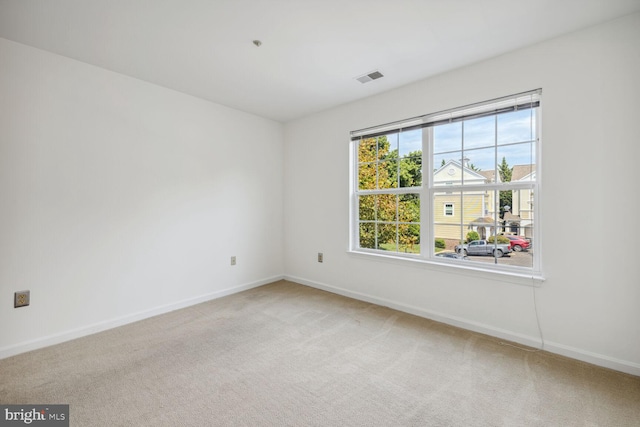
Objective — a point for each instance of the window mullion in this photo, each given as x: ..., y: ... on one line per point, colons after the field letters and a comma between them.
x: 426, y: 208
x: 462, y: 211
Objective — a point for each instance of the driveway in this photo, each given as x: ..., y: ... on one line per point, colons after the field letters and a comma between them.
x: 520, y: 259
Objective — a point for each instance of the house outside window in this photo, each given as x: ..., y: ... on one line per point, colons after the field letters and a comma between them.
x: 485, y: 154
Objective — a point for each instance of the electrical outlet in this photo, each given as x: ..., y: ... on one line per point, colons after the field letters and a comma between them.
x: 320, y: 257
x: 233, y: 260
x: 21, y: 299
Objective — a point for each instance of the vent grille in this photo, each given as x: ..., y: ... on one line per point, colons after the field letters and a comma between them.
x: 374, y: 75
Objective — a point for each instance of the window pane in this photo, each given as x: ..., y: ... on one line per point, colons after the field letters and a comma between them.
x: 505, y: 202
x: 388, y: 174
x: 519, y: 230
x: 447, y: 236
x: 479, y: 212
x: 386, y: 145
x: 524, y: 173
x: 367, y: 176
x: 466, y: 208
x: 447, y: 138
x: 367, y: 235
x: 521, y: 254
x: 480, y: 132
x: 366, y: 206
x: 483, y: 159
x: 387, y: 237
x: 411, y: 172
x: 393, y: 143
x: 518, y: 126
x: 409, y: 208
x: 409, y: 238
x: 410, y: 143
x: 367, y: 150
x: 387, y: 205
x: 526, y: 231
x: 447, y: 169
x: 520, y: 155
x: 445, y: 198
x: 522, y: 202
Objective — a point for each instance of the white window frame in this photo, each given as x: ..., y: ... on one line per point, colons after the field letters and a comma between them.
x: 427, y: 190
x: 445, y: 210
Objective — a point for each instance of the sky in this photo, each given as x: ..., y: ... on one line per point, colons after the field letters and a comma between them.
x: 512, y: 132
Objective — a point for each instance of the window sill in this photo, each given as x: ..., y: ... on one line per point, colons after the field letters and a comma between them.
x: 454, y: 267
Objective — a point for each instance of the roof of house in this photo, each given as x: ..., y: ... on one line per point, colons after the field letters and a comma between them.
x: 484, y: 220
x: 520, y: 171
x: 489, y: 175
x: 508, y: 216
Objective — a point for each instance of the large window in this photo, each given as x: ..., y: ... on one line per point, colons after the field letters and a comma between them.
x: 454, y: 187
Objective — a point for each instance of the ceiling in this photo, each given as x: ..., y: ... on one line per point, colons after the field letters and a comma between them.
x: 311, y: 52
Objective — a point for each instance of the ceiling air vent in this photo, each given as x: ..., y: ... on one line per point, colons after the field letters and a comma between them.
x: 369, y: 77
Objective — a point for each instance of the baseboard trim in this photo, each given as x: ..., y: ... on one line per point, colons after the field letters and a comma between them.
x: 124, y: 320
x: 560, y: 349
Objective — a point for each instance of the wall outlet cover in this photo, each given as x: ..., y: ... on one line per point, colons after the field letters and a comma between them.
x: 21, y: 299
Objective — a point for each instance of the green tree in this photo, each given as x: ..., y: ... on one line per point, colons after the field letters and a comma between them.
x: 505, y: 171
x: 501, y: 239
x: 505, y: 176
x: 409, y: 222
x: 374, y: 168
x: 370, y: 152
x: 368, y: 156
x: 409, y: 173
x: 380, y: 168
x: 409, y: 169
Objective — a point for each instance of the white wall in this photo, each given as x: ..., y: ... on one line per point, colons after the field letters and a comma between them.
x: 589, y: 305
x: 120, y: 199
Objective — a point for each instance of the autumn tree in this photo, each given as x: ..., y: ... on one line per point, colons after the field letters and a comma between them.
x: 381, y: 214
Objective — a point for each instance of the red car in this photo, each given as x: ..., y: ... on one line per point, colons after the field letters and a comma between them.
x: 517, y: 243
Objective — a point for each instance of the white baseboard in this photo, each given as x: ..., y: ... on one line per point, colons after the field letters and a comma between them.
x: 563, y: 350
x: 130, y: 318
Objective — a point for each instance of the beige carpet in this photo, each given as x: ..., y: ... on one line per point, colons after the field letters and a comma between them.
x: 288, y: 355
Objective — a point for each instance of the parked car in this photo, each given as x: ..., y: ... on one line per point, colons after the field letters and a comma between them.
x: 517, y: 243
x: 450, y: 254
x: 482, y: 247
